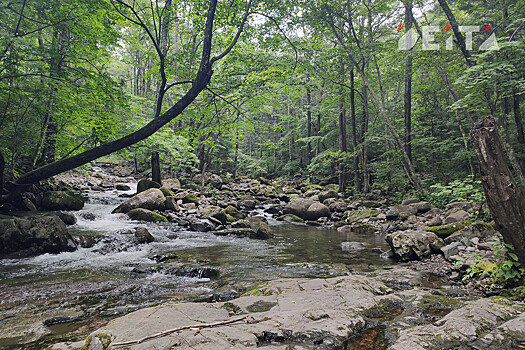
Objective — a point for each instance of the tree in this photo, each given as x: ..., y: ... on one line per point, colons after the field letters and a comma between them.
x: 198, y: 84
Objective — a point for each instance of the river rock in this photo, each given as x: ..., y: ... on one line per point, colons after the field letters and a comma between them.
x: 151, y: 199
x: 290, y: 218
x: 146, y: 184
x: 122, y: 187
x: 190, y: 198
x: 143, y: 235
x: 171, y: 204
x: 327, y: 195
x: 413, y: 245
x: 234, y: 212
x: 172, y: 184
x: 408, y: 201
x: 357, y: 216
x: 212, y: 179
x: 46, y: 234
x: 352, y: 245
x: 450, y: 249
x: 316, y: 211
x: 298, y: 207
x: 457, y: 216
x: 478, y: 229
x: 466, y: 328
x: 246, y: 204
x: 325, y: 312
x: 202, y: 226
x: 146, y: 215
x: 62, y: 200
x: 393, y: 213
x: 443, y: 231
x: 67, y: 218
x: 421, y: 207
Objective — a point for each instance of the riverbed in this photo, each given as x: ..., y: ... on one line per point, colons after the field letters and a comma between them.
x: 48, y: 298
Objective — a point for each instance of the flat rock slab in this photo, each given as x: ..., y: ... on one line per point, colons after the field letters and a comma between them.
x: 320, y: 311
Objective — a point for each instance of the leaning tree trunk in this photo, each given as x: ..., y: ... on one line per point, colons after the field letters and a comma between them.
x: 504, y: 199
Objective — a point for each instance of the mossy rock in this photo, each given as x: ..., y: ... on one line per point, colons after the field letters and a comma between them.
x: 443, y: 231
x: 340, y: 224
x: 146, y: 184
x: 331, y: 187
x: 234, y: 212
x: 270, y: 193
x: 246, y: 197
x: 357, y: 216
x: 146, y: 215
x: 62, y: 200
x: 293, y: 196
x: 190, y: 198
x: 371, y: 204
x: 313, y: 223
x: 311, y: 187
x: 290, y: 218
x: 166, y: 192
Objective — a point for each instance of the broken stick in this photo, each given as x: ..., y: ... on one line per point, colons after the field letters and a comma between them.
x: 177, y: 330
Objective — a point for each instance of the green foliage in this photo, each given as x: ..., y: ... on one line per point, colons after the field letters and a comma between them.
x: 467, y: 189
x: 506, y: 270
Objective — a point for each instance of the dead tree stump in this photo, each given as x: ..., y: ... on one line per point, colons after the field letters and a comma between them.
x: 504, y: 199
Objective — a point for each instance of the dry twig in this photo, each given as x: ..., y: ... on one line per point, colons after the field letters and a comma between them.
x: 178, y: 330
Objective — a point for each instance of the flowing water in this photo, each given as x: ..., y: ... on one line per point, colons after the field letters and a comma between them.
x: 65, y: 296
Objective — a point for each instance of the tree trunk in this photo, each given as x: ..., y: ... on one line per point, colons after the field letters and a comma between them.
x: 155, y: 167
x: 308, y: 120
x: 504, y: 198
x: 364, y: 142
x: 357, y: 182
x: 517, y: 119
x: 342, y: 142
x: 408, y: 90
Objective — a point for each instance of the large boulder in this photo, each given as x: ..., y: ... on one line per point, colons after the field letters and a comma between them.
x: 151, y: 199
x: 421, y: 207
x: 478, y: 229
x: 171, y: 183
x: 62, y: 200
x: 146, y: 184
x: 190, y: 198
x: 443, y: 231
x: 298, y: 207
x: 413, y: 245
x: 46, y: 234
x: 316, y: 211
x: 146, y: 215
x: 457, y: 216
x: 326, y: 195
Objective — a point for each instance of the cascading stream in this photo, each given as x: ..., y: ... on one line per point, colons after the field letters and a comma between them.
x: 42, y: 294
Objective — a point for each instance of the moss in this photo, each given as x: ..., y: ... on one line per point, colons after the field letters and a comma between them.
x: 312, y: 187
x: 293, y: 196
x: 313, y: 223
x: 515, y: 294
x: 166, y: 192
x: 261, y: 306
x: 403, y: 227
x: 290, y: 218
x: 190, y: 198
x: 443, y: 231
x: 356, y: 216
x: 231, y: 210
x: 257, y: 292
x: 146, y: 215
x: 371, y: 204
x: 340, y: 224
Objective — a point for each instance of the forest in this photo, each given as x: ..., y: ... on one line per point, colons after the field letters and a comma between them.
x: 378, y: 100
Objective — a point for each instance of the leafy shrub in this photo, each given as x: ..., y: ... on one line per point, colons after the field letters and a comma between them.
x: 467, y: 189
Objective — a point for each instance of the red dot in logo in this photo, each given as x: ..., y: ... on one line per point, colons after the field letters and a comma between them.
x: 487, y: 28
x: 448, y: 27
x: 399, y: 28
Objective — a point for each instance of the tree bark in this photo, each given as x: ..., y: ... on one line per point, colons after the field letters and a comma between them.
x: 408, y: 88
x: 155, y: 167
x: 364, y: 142
x: 517, y: 119
x: 357, y: 182
x: 504, y: 199
x: 308, y: 119
x: 342, y: 142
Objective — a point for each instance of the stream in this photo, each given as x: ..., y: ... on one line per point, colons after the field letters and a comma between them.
x: 51, y: 298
